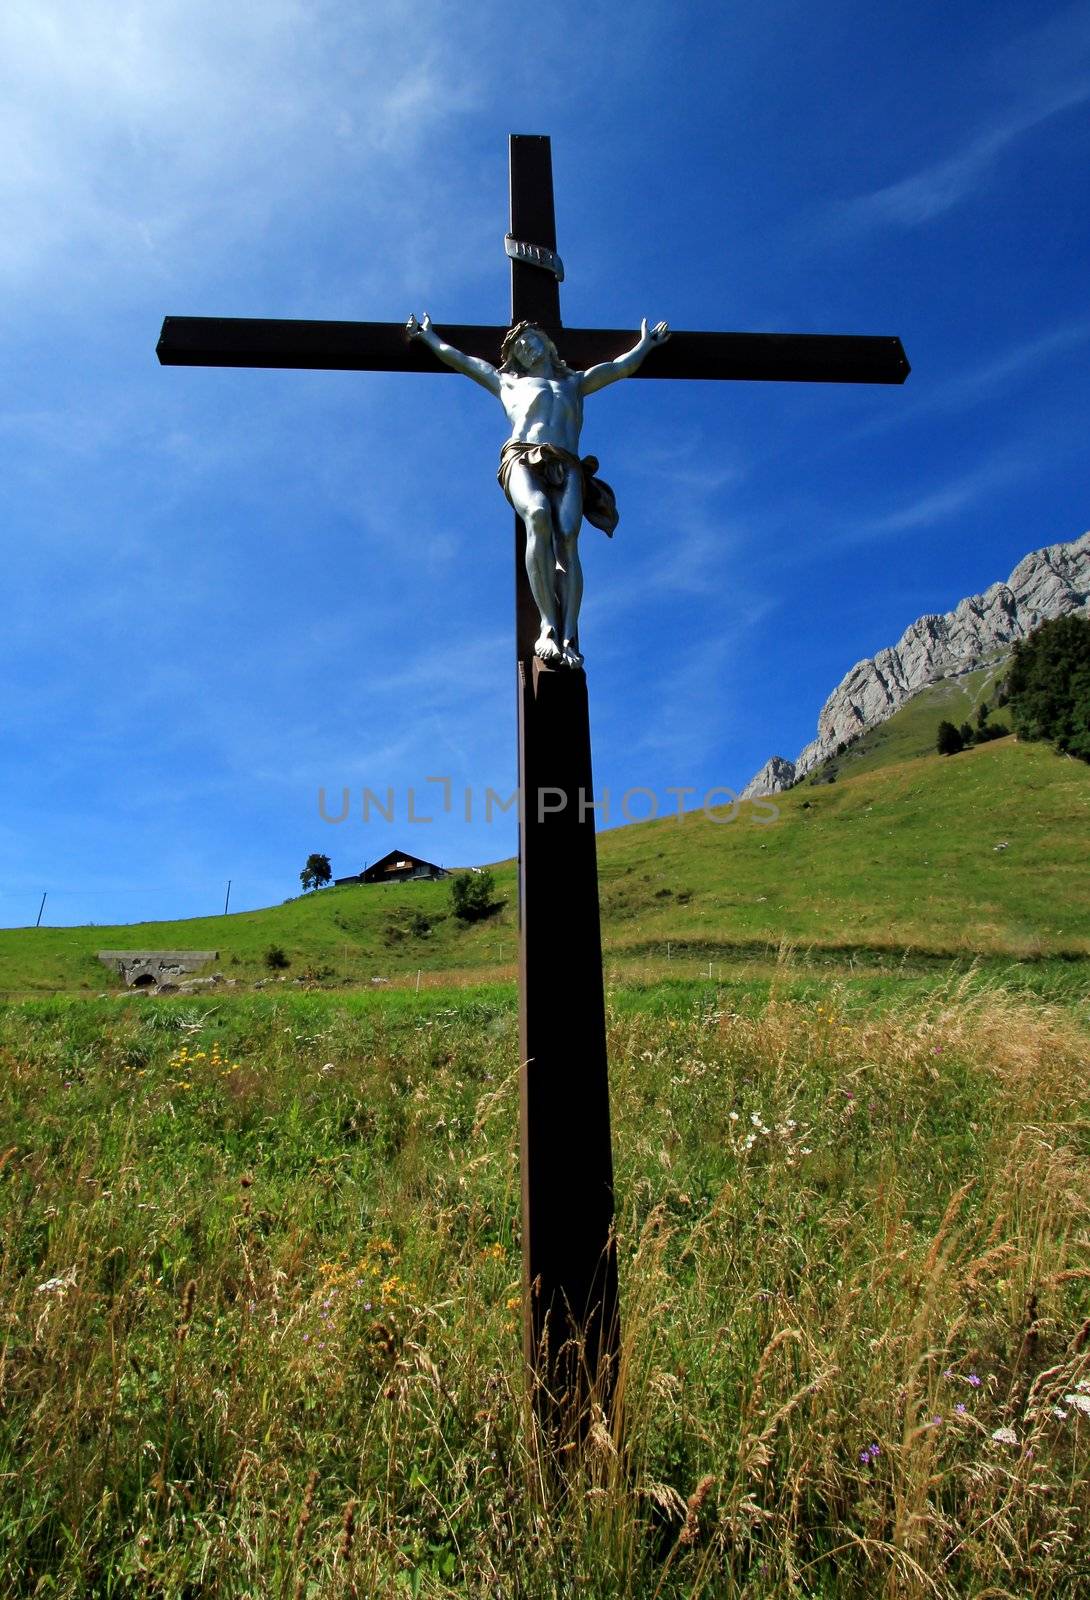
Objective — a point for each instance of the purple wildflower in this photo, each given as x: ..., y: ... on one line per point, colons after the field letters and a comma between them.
x: 974, y: 1380
x: 960, y: 1408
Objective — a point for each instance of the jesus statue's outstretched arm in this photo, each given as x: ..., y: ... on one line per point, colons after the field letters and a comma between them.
x: 624, y: 366
x: 482, y: 372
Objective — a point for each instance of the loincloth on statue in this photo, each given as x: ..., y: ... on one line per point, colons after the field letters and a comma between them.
x: 549, y: 462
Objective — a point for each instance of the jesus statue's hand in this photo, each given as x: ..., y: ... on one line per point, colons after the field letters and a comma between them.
x: 417, y: 330
x: 656, y: 335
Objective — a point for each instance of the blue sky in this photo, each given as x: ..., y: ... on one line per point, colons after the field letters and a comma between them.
x: 227, y: 589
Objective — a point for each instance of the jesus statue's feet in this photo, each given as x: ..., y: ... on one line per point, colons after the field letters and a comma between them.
x: 547, y: 649
x: 572, y: 658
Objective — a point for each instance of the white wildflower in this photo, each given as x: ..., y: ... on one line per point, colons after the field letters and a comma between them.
x: 734, y: 1116
x: 1005, y: 1436
x: 755, y: 1118
x: 1058, y: 1411
x: 56, y: 1285
x: 1080, y: 1401
x: 806, y: 1151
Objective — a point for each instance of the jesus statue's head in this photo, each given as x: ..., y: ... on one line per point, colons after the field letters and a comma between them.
x: 524, y: 345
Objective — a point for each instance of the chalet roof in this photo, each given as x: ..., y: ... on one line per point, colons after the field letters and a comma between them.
x: 394, y: 856
x: 396, y: 866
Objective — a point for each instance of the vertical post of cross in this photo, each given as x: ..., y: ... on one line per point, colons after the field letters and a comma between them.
x: 570, y: 1306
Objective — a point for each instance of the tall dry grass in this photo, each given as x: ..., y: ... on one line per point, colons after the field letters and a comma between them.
x: 260, y: 1275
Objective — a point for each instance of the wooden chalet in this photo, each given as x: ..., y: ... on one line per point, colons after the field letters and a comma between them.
x: 396, y: 867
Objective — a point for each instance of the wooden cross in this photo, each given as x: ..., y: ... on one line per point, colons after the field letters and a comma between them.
x: 570, y: 1320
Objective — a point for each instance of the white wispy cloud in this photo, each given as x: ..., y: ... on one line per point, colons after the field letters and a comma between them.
x: 938, y: 505
x: 134, y: 132
x: 1047, y: 72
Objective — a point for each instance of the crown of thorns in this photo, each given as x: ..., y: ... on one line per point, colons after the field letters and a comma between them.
x: 512, y: 336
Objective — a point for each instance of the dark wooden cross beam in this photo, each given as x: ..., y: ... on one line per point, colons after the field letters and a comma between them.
x: 570, y: 1323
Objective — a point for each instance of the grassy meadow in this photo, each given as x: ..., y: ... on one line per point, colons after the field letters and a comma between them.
x: 260, y: 1276
x: 260, y: 1257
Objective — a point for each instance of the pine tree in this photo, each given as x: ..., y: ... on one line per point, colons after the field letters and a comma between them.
x: 1048, y: 685
x: 949, y: 740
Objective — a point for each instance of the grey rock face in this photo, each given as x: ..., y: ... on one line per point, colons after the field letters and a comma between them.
x: 982, y: 628
x: 776, y: 775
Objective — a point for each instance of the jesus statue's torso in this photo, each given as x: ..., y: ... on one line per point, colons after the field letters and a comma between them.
x: 543, y: 410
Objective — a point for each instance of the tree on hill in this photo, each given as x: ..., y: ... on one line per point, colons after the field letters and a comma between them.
x: 985, y: 731
x: 949, y: 740
x: 1048, y: 685
x: 471, y: 895
x: 317, y: 872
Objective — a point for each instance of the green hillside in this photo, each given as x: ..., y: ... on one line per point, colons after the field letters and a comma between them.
x: 983, y: 853
x: 912, y: 731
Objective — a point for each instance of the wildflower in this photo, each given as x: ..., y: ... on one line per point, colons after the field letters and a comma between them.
x: 755, y: 1118
x: 55, y: 1285
x: 1058, y: 1411
x: 1005, y: 1436
x: 974, y: 1380
x: 1080, y: 1401
x: 949, y: 1373
x: 960, y: 1408
x: 734, y: 1116
x: 936, y: 1422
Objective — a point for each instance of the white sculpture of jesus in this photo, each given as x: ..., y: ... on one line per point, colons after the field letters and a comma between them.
x: 540, y: 471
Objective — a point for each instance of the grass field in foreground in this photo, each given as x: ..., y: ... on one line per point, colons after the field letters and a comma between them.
x: 260, y: 1277
x: 985, y: 853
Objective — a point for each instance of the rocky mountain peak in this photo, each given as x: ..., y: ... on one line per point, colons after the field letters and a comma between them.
x: 979, y: 630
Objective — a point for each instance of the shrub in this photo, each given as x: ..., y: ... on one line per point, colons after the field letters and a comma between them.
x: 990, y: 731
x: 471, y: 895
x: 276, y: 958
